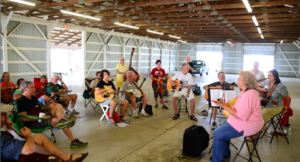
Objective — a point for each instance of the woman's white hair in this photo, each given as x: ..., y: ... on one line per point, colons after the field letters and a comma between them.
x: 121, y: 58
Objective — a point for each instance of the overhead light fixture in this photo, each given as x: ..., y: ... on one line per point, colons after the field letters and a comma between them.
x: 286, y: 5
x: 151, y: 31
x: 173, y: 36
x: 262, y: 37
x: 259, y: 30
x: 80, y: 15
x: 128, y: 26
x: 281, y: 41
x: 247, y: 5
x: 181, y: 41
x: 228, y: 42
x: 255, y: 20
x: 24, y: 2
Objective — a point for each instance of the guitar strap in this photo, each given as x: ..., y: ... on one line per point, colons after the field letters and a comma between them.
x: 271, y: 90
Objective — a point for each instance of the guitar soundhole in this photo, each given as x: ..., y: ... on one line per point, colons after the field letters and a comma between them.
x: 106, y: 95
x: 174, y: 87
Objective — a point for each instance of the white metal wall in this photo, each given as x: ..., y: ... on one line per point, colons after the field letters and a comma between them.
x: 26, y: 50
x: 232, y: 58
x: 184, y: 51
x: 287, y: 60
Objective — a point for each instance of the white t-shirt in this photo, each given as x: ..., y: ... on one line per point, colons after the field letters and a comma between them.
x: 187, y: 79
x: 259, y: 75
x: 94, y: 83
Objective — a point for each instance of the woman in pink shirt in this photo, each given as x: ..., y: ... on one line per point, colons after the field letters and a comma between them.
x: 245, y: 117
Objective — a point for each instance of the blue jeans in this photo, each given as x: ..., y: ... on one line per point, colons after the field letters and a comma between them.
x: 222, y: 136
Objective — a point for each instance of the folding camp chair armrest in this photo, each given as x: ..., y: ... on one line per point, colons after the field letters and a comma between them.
x: 32, y: 117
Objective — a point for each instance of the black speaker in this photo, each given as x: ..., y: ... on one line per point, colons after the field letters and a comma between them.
x: 195, y: 140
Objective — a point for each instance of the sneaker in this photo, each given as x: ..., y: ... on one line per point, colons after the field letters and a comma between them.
x: 156, y: 105
x: 135, y: 114
x: 65, y: 123
x: 165, y: 107
x: 203, y: 112
x: 67, y: 114
x: 125, y: 120
x: 78, y: 144
x: 143, y: 113
x: 111, y: 122
x: 214, y: 125
x: 75, y: 112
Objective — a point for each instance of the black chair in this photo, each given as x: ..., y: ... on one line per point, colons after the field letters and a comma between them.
x: 275, y: 122
x: 251, y: 152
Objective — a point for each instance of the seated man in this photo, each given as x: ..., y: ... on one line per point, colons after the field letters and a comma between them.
x: 105, y: 85
x: 94, y: 83
x: 134, y: 97
x: 13, y: 147
x: 39, y: 86
x: 53, y: 88
x: 17, y: 94
x: 187, y: 80
x: 223, y: 83
x: 56, y: 119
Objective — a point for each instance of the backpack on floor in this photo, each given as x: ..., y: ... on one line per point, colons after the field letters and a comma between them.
x: 148, y: 109
x: 197, y: 90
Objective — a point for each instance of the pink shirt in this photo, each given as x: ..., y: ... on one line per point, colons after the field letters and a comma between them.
x: 248, y: 111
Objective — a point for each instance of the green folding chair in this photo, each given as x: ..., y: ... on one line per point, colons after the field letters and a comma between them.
x: 19, y: 124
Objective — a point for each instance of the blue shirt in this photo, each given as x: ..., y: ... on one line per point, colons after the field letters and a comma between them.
x: 10, y: 147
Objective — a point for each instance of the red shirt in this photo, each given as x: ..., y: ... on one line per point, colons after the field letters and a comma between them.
x: 3, y: 84
x: 38, y: 86
x: 157, y: 73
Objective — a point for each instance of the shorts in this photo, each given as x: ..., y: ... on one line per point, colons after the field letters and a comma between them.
x: 107, y: 101
x: 138, y: 99
x: 38, y: 125
x: 183, y: 92
x: 156, y: 94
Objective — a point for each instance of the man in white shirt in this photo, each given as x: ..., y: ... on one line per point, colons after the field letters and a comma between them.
x: 187, y: 92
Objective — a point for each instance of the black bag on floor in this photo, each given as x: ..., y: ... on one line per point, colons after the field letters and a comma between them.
x: 148, y: 109
x: 195, y: 140
x: 197, y: 90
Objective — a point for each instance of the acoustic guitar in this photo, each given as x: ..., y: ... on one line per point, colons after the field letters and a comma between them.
x: 36, y: 110
x: 231, y: 103
x: 108, y: 94
x: 171, y: 87
x: 7, y: 95
x: 264, y: 100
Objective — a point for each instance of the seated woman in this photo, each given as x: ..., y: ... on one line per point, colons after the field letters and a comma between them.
x: 18, y: 93
x: 276, y: 91
x: 6, y: 83
x: 245, y: 117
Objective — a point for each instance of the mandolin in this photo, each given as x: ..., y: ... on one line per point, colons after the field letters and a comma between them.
x: 7, y: 95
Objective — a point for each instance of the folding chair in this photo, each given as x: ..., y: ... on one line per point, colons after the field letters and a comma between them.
x: 89, y: 98
x: 105, y: 109
x: 19, y: 124
x: 275, y: 122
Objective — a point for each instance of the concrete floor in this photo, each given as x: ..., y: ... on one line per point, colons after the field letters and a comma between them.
x: 158, y: 138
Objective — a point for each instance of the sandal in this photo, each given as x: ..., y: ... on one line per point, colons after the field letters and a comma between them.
x: 84, y: 155
x: 193, y: 118
x: 176, y: 116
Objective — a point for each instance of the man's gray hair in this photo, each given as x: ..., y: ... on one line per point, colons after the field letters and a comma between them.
x: 129, y: 72
x: 122, y: 58
x: 55, y: 75
x: 184, y: 65
x: 24, y: 85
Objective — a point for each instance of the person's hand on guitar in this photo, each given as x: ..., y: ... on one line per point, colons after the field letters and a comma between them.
x: 10, y: 123
x: 179, y: 85
x: 109, y: 88
x: 25, y: 132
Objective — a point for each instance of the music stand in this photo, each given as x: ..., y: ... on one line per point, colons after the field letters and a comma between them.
x: 216, y: 93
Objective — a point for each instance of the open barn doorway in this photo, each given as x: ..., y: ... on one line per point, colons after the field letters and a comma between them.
x: 66, y: 54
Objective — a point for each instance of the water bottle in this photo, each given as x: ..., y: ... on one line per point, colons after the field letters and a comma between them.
x: 290, y: 130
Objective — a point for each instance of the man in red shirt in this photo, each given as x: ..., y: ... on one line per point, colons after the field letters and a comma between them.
x: 157, y: 75
x: 40, y: 85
